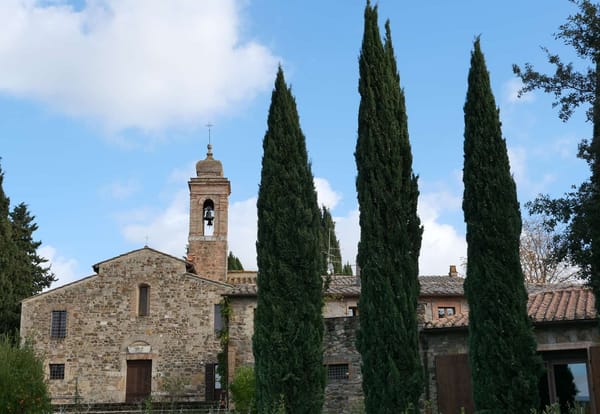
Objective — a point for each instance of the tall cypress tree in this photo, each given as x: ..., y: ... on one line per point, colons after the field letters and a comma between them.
x: 390, y: 232
x: 288, y: 330
x: 502, y: 348
x: 330, y: 244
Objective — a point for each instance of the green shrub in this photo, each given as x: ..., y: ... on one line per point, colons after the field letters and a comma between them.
x: 22, y: 385
x: 243, y: 390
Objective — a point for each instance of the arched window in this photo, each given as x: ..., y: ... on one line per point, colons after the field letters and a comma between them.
x: 143, y: 300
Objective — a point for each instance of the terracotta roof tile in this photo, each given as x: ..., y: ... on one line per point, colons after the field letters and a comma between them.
x: 574, y: 303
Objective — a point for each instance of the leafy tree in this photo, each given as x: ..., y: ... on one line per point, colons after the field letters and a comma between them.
x: 233, y: 262
x: 502, y: 348
x: 22, y: 271
x: 576, y: 215
x: 288, y: 334
x: 34, y: 271
x: 391, y: 232
x: 330, y: 244
x: 9, y: 312
x: 22, y: 385
x: 243, y: 390
x: 347, y: 269
x: 539, y: 260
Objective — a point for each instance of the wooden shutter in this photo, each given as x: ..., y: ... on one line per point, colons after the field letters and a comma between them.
x: 454, y: 390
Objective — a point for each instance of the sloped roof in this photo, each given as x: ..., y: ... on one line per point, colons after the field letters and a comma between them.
x: 350, y: 286
x: 189, y: 266
x: 549, y: 305
x: 441, y: 285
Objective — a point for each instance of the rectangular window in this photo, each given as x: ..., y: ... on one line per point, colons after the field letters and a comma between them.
x: 338, y: 372
x: 218, y: 318
x: 444, y: 312
x: 144, y: 302
x: 58, y: 327
x: 353, y: 310
x: 57, y: 371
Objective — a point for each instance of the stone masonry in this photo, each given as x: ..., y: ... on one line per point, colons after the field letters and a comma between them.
x: 104, y: 329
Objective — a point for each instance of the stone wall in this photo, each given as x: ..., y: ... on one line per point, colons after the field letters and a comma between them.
x: 439, y: 342
x: 104, y: 329
x: 241, y: 329
x: 342, y: 395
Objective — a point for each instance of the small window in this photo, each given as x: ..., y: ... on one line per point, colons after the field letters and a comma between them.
x: 57, y: 371
x: 338, y: 372
x: 353, y: 310
x: 58, y: 328
x: 144, y: 300
x: 218, y: 319
x: 444, y: 312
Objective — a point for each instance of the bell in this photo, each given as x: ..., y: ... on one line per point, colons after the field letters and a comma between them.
x: 209, y: 215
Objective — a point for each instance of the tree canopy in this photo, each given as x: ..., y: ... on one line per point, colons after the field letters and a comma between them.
x: 576, y: 215
x: 288, y: 329
x: 502, y: 349
x: 390, y: 238
x: 23, y: 272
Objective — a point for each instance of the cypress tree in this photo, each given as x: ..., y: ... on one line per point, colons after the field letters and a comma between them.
x: 233, y: 262
x: 502, y: 348
x: 288, y: 330
x: 330, y: 244
x: 390, y: 232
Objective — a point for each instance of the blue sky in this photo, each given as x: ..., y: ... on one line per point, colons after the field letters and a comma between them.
x: 103, y: 107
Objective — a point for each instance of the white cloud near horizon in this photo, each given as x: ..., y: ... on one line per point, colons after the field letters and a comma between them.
x: 167, y: 229
x: 442, y: 244
x: 326, y: 196
x: 65, y: 270
x: 131, y: 64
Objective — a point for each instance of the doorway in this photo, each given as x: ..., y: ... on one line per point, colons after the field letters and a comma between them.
x: 139, y: 380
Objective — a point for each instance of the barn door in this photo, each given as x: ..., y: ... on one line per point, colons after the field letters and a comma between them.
x: 139, y: 380
x: 454, y: 390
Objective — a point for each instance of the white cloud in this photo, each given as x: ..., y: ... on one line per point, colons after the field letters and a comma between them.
x: 127, y: 63
x: 442, y: 245
x: 242, y: 231
x: 65, y: 269
x: 167, y: 231
x: 326, y: 196
x: 511, y: 92
x: 163, y: 230
x: 348, y: 233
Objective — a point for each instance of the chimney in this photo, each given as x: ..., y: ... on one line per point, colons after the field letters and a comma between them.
x: 453, y: 272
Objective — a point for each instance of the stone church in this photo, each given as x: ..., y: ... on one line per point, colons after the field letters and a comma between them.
x: 146, y: 324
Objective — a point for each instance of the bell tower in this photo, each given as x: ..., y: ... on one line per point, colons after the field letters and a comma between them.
x: 209, y: 205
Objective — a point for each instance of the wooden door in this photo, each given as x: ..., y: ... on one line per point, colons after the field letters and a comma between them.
x: 594, y: 378
x: 454, y: 390
x: 139, y: 380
